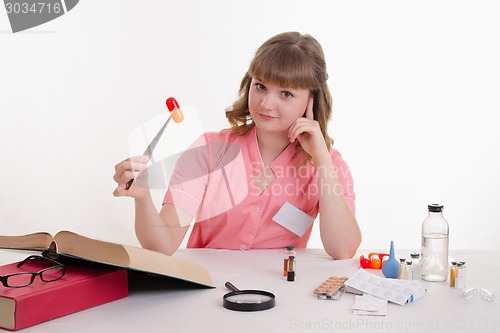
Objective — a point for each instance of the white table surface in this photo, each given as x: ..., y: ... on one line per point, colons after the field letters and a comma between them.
x: 154, y: 307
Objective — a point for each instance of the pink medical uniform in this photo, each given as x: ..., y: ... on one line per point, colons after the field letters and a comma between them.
x: 216, y: 182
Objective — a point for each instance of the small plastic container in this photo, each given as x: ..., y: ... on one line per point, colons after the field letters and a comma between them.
x: 469, y: 293
x: 484, y: 293
x: 487, y: 295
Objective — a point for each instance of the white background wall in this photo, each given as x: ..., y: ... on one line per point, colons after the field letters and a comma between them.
x: 416, y: 101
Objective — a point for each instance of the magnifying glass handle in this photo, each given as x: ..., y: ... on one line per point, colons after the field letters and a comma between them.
x: 231, y: 286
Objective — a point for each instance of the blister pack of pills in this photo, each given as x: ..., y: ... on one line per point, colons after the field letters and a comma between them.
x: 331, y: 288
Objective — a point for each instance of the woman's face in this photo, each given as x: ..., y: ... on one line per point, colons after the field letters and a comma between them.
x: 274, y: 108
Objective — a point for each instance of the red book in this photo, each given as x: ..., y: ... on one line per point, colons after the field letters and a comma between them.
x: 84, y: 285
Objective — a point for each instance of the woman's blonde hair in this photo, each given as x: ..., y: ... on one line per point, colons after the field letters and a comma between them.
x: 289, y: 60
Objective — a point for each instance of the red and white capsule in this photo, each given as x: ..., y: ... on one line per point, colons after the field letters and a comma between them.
x: 175, y: 109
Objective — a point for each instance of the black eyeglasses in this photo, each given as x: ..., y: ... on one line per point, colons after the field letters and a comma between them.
x: 23, y: 279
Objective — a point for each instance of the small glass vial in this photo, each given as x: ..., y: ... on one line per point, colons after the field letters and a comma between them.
x: 409, y: 271
x: 453, y: 274
x: 464, y: 273
x: 402, y: 268
x: 460, y: 278
x: 416, y: 273
x: 290, y: 274
x: 289, y: 251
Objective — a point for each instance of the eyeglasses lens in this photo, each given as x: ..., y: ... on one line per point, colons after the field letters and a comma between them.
x: 52, y: 274
x: 20, y: 280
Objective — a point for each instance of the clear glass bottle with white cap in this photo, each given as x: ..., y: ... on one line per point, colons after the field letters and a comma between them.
x: 435, y: 241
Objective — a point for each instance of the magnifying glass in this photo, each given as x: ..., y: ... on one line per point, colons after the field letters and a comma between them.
x: 247, y: 300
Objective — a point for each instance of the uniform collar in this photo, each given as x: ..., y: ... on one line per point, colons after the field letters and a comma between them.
x: 285, y: 158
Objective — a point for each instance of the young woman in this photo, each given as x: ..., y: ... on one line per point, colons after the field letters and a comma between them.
x: 262, y: 182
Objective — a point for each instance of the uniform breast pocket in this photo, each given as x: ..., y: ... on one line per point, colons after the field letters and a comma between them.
x: 293, y: 219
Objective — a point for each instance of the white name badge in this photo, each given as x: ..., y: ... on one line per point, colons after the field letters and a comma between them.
x: 293, y: 219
